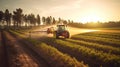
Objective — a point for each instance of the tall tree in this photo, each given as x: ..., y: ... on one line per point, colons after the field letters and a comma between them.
x: 43, y: 20
x: 65, y: 22
x: 51, y: 19
x: 32, y: 19
x: 18, y: 16
x: 1, y: 16
x: 38, y: 20
x: 68, y: 21
x: 72, y: 21
x: 59, y: 20
x: 29, y: 17
x: 25, y: 19
x: 54, y: 21
x: 48, y: 20
x: 14, y: 20
x: 8, y: 17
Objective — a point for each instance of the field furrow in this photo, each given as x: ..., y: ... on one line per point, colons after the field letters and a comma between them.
x: 107, y: 41
x: 53, y: 56
x: 86, y: 54
x: 97, y: 46
x: 103, y: 35
x: 93, y: 50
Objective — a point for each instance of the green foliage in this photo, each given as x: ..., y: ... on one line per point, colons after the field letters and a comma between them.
x: 1, y: 15
x: 8, y: 17
x: 48, y: 20
x: 32, y: 19
x: 38, y: 20
x: 17, y: 17
x: 54, y: 21
x: 43, y: 20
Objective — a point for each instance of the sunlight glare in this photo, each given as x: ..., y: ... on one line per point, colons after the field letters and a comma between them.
x: 92, y: 16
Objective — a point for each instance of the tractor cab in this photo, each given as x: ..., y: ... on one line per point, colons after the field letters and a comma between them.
x: 61, y: 27
x: 62, y: 31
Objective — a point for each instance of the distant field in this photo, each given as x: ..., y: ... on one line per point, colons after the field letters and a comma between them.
x: 114, y: 28
x: 96, y: 49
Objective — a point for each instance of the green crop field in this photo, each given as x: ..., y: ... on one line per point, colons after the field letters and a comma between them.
x: 60, y: 33
x: 93, y: 49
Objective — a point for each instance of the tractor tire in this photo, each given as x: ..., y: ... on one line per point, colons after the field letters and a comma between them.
x: 68, y: 35
x: 56, y: 35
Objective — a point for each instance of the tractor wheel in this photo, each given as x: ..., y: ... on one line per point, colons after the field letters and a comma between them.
x: 56, y: 35
x: 68, y: 35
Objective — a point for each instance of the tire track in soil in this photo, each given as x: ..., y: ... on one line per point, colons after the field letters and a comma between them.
x: 4, y: 49
x: 1, y: 51
x: 22, y: 57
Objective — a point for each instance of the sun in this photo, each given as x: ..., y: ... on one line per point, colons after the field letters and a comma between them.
x: 91, y: 18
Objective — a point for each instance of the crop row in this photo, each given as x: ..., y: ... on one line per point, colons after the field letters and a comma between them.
x: 103, y: 34
x: 88, y: 55
x: 107, y: 41
x: 104, y: 48
x: 54, y: 57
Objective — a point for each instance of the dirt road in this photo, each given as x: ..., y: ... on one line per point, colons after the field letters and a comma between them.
x: 19, y: 54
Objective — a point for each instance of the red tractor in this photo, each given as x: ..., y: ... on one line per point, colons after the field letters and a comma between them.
x: 62, y: 31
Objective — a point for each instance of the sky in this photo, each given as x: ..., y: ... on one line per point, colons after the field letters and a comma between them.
x: 76, y: 10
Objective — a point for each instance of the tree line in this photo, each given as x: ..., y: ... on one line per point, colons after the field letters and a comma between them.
x: 18, y: 19
x: 109, y: 24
